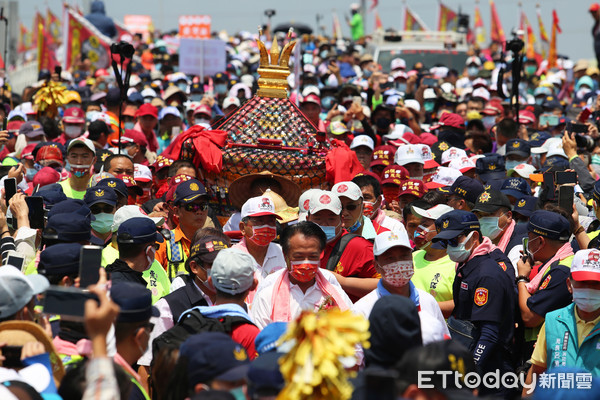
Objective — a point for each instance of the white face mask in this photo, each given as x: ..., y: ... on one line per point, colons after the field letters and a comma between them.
x: 201, y: 121
x: 587, y: 300
x: 150, y: 258
x: 398, y: 273
x: 73, y: 131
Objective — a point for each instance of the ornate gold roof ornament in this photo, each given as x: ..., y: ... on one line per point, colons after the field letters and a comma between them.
x: 273, y: 74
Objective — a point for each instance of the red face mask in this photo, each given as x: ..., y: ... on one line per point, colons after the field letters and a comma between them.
x: 304, y: 271
x: 263, y: 235
x: 390, y: 193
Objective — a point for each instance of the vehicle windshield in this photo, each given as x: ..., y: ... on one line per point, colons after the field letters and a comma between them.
x: 450, y: 58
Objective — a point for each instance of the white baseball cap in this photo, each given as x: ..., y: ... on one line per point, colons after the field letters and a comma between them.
x: 481, y: 92
x: 429, y: 93
x: 555, y: 148
x: 347, y: 189
x: 412, y: 104
x: 463, y: 164
x: 409, y: 153
x: 398, y: 132
x: 141, y: 173
x: 554, y: 143
x: 397, y: 63
x: 444, y: 176
x: 304, y: 200
x: 311, y: 89
x: 325, y: 200
x: 451, y: 154
x: 388, y: 239
x: 433, y: 212
x: 17, y: 289
x: 229, y: 101
x: 130, y: 211
x: 82, y: 141
x: 258, y: 207
x: 362, y: 140
x: 523, y: 170
x: 586, y: 265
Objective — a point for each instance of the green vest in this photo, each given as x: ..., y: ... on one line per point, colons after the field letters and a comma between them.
x: 562, y: 343
x: 158, y: 282
x: 69, y: 192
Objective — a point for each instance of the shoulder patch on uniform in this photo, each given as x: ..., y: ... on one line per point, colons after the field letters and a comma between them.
x: 481, y: 296
x: 464, y: 285
x: 544, y: 284
x: 503, y: 265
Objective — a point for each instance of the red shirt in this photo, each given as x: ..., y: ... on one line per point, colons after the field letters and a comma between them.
x: 245, y: 334
x: 356, y: 260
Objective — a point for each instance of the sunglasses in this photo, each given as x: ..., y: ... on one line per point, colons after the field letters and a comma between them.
x: 451, y: 242
x: 102, y: 208
x: 195, y: 207
x: 350, y: 207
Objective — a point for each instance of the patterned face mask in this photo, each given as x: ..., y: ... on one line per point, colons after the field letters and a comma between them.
x: 398, y: 273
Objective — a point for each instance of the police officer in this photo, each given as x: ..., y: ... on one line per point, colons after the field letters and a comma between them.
x: 60, y: 264
x: 484, y: 294
x: 132, y: 329
x: 156, y: 277
x: 137, y: 239
x: 102, y: 201
x: 464, y: 192
x: 119, y: 187
x: 190, y: 206
x: 495, y: 219
x: 544, y: 289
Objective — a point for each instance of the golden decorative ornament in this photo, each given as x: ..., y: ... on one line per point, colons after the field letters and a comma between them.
x: 273, y: 75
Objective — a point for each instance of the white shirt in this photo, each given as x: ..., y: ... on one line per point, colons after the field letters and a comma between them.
x: 433, y: 325
x: 262, y: 306
x: 233, y: 223
x: 163, y: 323
x: 274, y: 259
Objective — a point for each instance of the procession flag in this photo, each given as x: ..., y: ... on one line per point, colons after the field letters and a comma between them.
x: 412, y: 22
x: 25, y: 42
x: 552, y: 55
x: 46, y: 50
x: 447, y: 19
x: 479, y: 28
x: 497, y: 33
x: 83, y: 38
x: 378, y: 24
x: 53, y: 26
x: 544, y: 41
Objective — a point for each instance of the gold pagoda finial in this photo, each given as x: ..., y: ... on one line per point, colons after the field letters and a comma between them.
x: 273, y: 74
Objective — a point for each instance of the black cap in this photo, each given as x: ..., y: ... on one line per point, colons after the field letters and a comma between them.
x: 490, y: 167
x: 60, y: 259
x: 550, y: 225
x: 70, y: 227
x: 518, y: 147
x: 113, y: 97
x: 467, y: 188
x: 596, y: 192
x: 395, y: 327
x: 207, y: 248
x: 264, y: 375
x: 138, y: 230
x: 453, y: 223
x: 52, y: 194
x: 188, y: 191
x: 526, y: 206
x: 69, y: 206
x: 134, y: 300
x: 516, y: 187
x: 490, y: 201
x: 114, y: 183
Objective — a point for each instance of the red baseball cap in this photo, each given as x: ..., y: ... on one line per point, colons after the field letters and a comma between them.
x: 312, y: 98
x: 147, y: 109
x: 27, y: 152
x: 46, y: 176
x: 74, y: 115
x: 130, y: 183
x: 132, y: 136
x: 526, y: 117
x: 48, y: 153
x: 203, y: 109
x: 450, y: 119
x: 594, y: 7
x: 383, y: 155
x: 14, y: 126
x: 394, y: 174
x: 161, y: 162
x: 493, y: 107
x: 412, y: 186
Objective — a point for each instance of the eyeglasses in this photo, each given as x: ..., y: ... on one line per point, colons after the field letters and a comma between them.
x: 195, y: 207
x: 102, y: 208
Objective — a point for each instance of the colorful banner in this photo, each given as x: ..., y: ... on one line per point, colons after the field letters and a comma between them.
x: 544, y: 41
x: 122, y: 30
x: 83, y: 38
x: 552, y: 54
x: 37, y: 20
x: 194, y: 26
x: 337, y: 27
x: 496, y: 31
x: 25, y: 40
x: 378, y: 24
x: 479, y: 29
x: 412, y: 22
x: 46, y: 50
x: 53, y: 27
x: 447, y: 19
x: 529, y: 37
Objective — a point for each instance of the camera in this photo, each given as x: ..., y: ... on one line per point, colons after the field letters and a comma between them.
x: 515, y: 45
x: 123, y: 49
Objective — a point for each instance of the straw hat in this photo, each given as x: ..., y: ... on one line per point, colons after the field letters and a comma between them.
x: 239, y: 190
x: 282, y: 209
x: 17, y: 333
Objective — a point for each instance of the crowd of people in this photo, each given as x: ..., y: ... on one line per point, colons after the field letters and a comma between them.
x: 464, y: 231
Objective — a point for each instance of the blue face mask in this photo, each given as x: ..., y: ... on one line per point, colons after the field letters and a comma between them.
x: 30, y: 173
x: 459, y: 254
x: 355, y: 227
x: 221, y: 88
x: 489, y: 227
x: 327, y: 102
x: 182, y: 86
x: 429, y: 106
x: 367, y: 73
x: 238, y: 393
x: 129, y: 125
x: 401, y: 87
x: 307, y: 58
x: 510, y: 164
x: 329, y: 231
x: 472, y: 71
x: 595, y: 159
x: 103, y: 222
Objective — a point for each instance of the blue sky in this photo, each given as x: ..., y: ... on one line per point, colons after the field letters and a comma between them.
x: 235, y: 15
